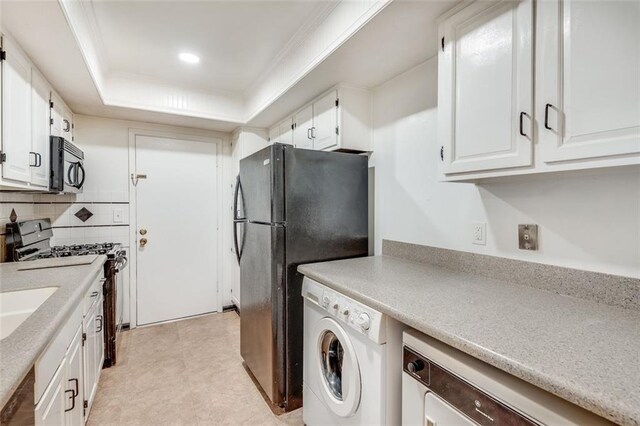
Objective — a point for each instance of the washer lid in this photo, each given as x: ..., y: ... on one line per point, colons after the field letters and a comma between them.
x: 338, y: 368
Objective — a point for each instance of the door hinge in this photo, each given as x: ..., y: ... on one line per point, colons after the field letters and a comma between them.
x: 442, y: 153
x: 442, y: 43
x: 3, y: 157
x: 3, y: 55
x: 337, y: 102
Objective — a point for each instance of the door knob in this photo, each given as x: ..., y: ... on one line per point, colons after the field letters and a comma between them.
x: 143, y: 231
x: 143, y: 242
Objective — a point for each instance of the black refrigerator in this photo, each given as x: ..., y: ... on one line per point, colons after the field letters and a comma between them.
x: 292, y: 206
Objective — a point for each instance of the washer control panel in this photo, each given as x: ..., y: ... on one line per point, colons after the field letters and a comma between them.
x: 357, y: 316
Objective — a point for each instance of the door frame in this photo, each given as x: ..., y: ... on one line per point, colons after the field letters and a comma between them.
x: 133, y: 209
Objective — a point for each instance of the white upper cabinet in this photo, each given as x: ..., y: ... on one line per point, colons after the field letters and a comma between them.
x: 61, y: 118
x: 325, y: 121
x: 485, y: 87
x: 274, y: 134
x: 589, y: 79
x: 302, y: 124
x: 16, y: 110
x: 40, y: 129
x: 286, y: 131
x: 339, y: 119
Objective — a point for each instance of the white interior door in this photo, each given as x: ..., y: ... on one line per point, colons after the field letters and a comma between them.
x: 177, y: 205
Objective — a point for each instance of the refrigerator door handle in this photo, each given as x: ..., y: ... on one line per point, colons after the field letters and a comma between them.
x: 238, y: 192
x: 235, y: 239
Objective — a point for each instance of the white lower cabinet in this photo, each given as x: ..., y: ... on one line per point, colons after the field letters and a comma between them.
x: 68, y: 371
x: 50, y: 410
x: 74, y: 384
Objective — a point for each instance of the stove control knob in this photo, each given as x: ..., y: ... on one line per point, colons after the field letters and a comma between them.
x: 325, y: 301
x: 364, y: 321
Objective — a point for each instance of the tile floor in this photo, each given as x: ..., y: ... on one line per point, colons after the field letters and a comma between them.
x: 183, y: 373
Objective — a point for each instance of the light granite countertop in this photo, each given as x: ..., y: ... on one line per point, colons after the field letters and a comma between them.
x: 585, y: 352
x: 19, y: 350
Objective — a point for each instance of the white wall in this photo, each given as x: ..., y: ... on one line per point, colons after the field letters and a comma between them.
x: 587, y: 220
x: 106, y: 146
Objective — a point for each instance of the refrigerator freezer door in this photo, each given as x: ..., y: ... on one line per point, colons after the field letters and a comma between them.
x: 261, y: 179
x: 261, y: 314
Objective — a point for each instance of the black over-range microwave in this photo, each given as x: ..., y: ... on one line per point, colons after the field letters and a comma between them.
x: 67, y: 172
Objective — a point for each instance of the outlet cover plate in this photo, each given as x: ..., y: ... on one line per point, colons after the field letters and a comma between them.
x: 479, y: 233
x: 528, y: 237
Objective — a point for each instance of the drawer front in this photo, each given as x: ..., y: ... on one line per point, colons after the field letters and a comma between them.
x: 93, y: 293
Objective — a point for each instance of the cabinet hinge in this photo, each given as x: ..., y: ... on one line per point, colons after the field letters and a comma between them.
x: 3, y: 157
x: 337, y: 131
x: 442, y: 43
x: 51, y: 121
x: 337, y: 102
x: 3, y: 55
x: 291, y: 126
x: 442, y: 153
x: 84, y: 338
x: 50, y: 104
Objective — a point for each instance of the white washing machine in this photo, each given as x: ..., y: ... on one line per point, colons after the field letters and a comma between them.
x: 443, y: 386
x: 348, y: 348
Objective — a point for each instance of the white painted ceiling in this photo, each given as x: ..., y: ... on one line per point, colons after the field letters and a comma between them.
x: 235, y: 40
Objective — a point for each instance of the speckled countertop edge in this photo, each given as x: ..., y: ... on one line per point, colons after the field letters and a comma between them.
x: 378, y: 282
x: 20, y: 350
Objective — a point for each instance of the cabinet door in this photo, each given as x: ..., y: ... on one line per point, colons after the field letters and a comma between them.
x: 100, y: 335
x: 274, y: 134
x: 75, y: 382
x: 589, y: 79
x: 286, y: 132
x: 303, y: 121
x: 485, y: 87
x: 50, y: 409
x: 90, y: 356
x: 325, y: 122
x: 40, y: 129
x: 16, y: 119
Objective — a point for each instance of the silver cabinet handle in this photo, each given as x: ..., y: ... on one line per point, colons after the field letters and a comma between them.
x: 309, y: 133
x: 67, y: 125
x: 35, y: 159
x: 313, y: 132
x: 94, y: 294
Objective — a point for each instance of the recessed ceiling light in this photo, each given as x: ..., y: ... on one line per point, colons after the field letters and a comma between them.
x: 189, y: 58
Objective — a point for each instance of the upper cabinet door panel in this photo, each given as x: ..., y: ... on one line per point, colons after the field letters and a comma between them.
x: 589, y: 77
x: 286, y: 133
x: 274, y: 134
x: 485, y: 87
x: 40, y: 129
x: 16, y: 110
x: 325, y: 122
x: 303, y: 121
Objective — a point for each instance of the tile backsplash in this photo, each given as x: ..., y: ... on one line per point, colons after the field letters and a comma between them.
x: 61, y: 209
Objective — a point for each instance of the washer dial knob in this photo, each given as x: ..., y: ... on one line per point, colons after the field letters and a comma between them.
x: 364, y: 321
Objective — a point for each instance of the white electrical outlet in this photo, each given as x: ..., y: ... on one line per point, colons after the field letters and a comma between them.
x: 479, y: 235
x: 117, y: 216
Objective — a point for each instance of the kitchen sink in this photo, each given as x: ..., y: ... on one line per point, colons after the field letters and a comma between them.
x: 17, y: 306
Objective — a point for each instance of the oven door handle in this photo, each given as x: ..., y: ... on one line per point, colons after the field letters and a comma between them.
x: 122, y: 264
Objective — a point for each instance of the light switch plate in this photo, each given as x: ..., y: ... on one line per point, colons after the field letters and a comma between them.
x: 528, y: 237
